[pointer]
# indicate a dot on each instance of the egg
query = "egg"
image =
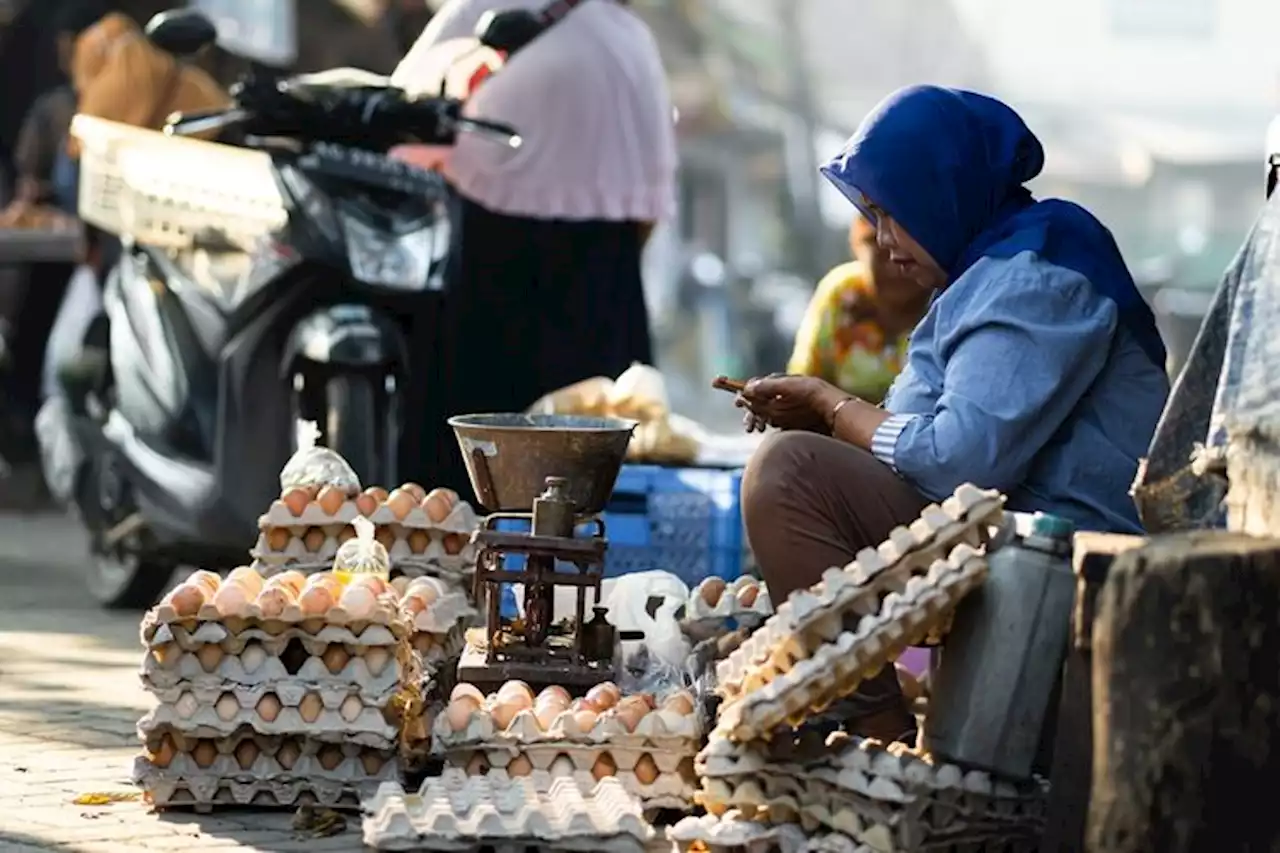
(335, 658)
(288, 754)
(253, 656)
(385, 536)
(359, 601)
(310, 707)
(602, 697)
(379, 494)
(466, 689)
(376, 660)
(585, 720)
(555, 690)
(455, 543)
(517, 688)
(546, 714)
(458, 713)
(186, 599)
(296, 499)
(437, 505)
(478, 765)
(278, 538)
(205, 753)
(630, 716)
(313, 540)
(371, 761)
(330, 500)
(366, 503)
(330, 756)
(268, 707)
(273, 600)
(226, 707)
(248, 576)
(401, 503)
(375, 584)
(232, 599)
(562, 766)
(646, 770)
(209, 656)
(419, 493)
(350, 708)
(165, 753)
(419, 541)
(604, 766)
(316, 600)
(400, 584)
(681, 702)
(412, 604)
(712, 589)
(504, 711)
(748, 594)
(519, 766)
(292, 579)
(346, 534)
(207, 579)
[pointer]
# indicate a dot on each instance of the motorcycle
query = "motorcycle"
(183, 408)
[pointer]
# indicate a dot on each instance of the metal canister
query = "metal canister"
(1002, 660)
(599, 637)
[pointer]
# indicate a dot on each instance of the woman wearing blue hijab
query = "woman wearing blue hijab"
(1037, 370)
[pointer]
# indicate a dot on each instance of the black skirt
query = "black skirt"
(532, 305)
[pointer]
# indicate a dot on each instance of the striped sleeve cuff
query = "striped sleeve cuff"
(885, 439)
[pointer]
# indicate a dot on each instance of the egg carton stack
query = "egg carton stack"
(425, 533)
(889, 798)
(455, 811)
(716, 606)
(276, 691)
(648, 745)
(439, 612)
(823, 642)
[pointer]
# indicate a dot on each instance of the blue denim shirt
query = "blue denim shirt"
(1019, 379)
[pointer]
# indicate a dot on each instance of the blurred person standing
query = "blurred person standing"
(856, 328)
(544, 280)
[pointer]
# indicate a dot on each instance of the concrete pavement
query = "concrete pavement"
(69, 698)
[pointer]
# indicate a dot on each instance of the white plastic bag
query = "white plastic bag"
(652, 602)
(313, 466)
(362, 555)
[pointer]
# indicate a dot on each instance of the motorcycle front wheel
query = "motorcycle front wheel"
(126, 582)
(351, 428)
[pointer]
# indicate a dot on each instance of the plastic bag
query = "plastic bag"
(588, 397)
(362, 555)
(652, 602)
(313, 465)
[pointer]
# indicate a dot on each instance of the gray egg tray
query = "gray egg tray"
(732, 832)
(810, 618)
(838, 665)
(462, 519)
(296, 556)
(254, 668)
(455, 811)
(274, 635)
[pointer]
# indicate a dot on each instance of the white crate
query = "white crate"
(167, 191)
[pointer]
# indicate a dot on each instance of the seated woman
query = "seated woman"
(854, 333)
(1037, 370)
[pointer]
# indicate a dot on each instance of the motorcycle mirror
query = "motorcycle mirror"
(181, 32)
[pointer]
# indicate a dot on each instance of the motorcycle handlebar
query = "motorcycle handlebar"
(203, 121)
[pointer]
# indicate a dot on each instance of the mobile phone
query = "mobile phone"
(724, 383)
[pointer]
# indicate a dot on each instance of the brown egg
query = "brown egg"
(232, 598)
(519, 766)
(516, 688)
(310, 707)
(458, 712)
(681, 702)
(207, 579)
(209, 656)
(367, 504)
(293, 580)
(466, 689)
(371, 761)
(268, 707)
(638, 701)
(296, 499)
(379, 494)
(418, 541)
(412, 604)
(273, 600)
(375, 584)
(346, 534)
(226, 707)
(351, 708)
(247, 753)
(330, 499)
(186, 599)
(278, 538)
(504, 711)
(455, 543)
(205, 753)
(646, 770)
(601, 697)
(712, 589)
(478, 765)
(314, 539)
(316, 600)
(335, 658)
(604, 766)
(385, 536)
(436, 505)
(419, 493)
(557, 692)
(401, 503)
(376, 659)
(585, 720)
(359, 600)
(546, 713)
(288, 754)
(249, 576)
(630, 716)
(747, 595)
(165, 753)
(330, 757)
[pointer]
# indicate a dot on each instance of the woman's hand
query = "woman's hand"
(788, 402)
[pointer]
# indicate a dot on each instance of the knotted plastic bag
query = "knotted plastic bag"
(362, 555)
(315, 466)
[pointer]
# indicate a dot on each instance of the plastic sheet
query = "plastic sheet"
(312, 465)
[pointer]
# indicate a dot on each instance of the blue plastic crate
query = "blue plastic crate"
(687, 521)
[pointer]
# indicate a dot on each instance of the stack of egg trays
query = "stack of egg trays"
(734, 833)
(823, 642)
(457, 812)
(670, 740)
(434, 560)
(269, 711)
(887, 798)
(702, 620)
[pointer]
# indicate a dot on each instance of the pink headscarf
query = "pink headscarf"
(589, 98)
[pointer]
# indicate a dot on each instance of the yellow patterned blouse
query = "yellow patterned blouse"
(840, 340)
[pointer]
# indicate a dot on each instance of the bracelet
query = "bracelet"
(835, 411)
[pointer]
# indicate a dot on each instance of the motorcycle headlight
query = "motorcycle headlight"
(404, 262)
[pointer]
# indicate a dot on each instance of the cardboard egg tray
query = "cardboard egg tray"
(334, 626)
(732, 832)
(274, 636)
(661, 730)
(250, 769)
(845, 658)
(704, 620)
(888, 798)
(809, 618)
(458, 812)
(673, 788)
(424, 555)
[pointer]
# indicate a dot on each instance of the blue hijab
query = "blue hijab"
(950, 165)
